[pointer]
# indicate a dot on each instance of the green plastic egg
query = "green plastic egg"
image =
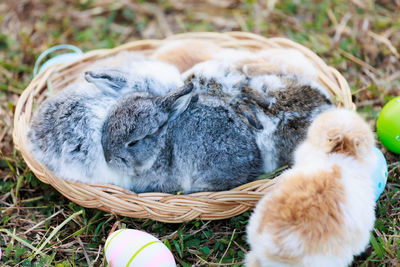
(388, 125)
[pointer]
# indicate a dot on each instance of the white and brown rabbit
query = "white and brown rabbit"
(321, 212)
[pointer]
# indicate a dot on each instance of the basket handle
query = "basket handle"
(51, 50)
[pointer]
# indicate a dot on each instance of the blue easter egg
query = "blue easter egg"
(380, 173)
(64, 58)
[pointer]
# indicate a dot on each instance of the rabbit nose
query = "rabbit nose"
(107, 156)
(89, 76)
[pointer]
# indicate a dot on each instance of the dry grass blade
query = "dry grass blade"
(385, 41)
(229, 245)
(84, 252)
(55, 231)
(42, 222)
(22, 241)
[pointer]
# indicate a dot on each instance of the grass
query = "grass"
(40, 227)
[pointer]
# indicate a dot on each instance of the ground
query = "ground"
(359, 38)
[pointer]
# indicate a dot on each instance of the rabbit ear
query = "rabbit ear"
(177, 101)
(107, 79)
(351, 144)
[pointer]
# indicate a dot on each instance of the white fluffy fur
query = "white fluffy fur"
(98, 171)
(266, 143)
(289, 59)
(357, 209)
(218, 69)
(138, 68)
(270, 81)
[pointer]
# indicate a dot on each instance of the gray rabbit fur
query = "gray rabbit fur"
(65, 133)
(223, 128)
(277, 107)
(180, 141)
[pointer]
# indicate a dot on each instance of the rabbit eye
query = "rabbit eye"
(132, 143)
(105, 76)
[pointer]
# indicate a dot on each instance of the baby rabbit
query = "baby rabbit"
(321, 212)
(184, 54)
(180, 141)
(277, 107)
(65, 133)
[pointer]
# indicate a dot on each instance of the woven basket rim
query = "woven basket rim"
(161, 206)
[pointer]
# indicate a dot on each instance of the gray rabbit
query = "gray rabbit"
(278, 107)
(180, 141)
(65, 133)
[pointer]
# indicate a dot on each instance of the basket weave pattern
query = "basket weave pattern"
(160, 206)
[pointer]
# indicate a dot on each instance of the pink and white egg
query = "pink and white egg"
(128, 247)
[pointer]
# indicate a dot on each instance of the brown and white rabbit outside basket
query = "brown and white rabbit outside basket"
(167, 207)
(322, 210)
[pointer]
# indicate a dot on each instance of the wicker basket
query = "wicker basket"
(160, 206)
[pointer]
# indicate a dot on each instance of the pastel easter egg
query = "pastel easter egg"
(380, 174)
(128, 247)
(64, 58)
(388, 125)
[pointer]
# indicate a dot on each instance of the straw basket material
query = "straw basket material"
(160, 206)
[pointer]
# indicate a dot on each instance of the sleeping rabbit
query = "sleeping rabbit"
(65, 133)
(180, 141)
(278, 107)
(321, 212)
